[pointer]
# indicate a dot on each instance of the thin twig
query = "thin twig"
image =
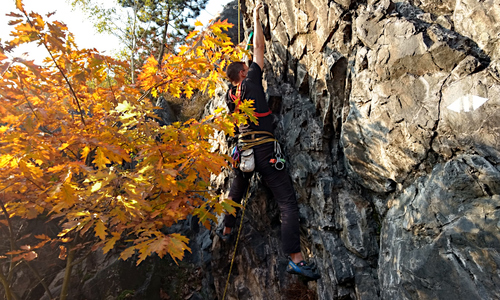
(60, 70)
(37, 275)
(39, 187)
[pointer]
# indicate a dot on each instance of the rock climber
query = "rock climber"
(246, 84)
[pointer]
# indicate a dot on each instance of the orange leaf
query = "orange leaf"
(30, 256)
(62, 254)
(11, 14)
(42, 237)
(19, 5)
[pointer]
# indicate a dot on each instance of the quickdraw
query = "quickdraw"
(278, 162)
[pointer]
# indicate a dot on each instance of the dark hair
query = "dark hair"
(233, 70)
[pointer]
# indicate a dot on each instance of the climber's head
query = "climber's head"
(237, 71)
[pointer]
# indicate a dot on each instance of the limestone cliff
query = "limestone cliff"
(388, 114)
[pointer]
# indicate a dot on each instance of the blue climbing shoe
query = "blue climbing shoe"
(302, 268)
(223, 237)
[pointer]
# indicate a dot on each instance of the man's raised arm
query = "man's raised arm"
(258, 38)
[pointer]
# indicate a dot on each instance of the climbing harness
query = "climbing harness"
(245, 201)
(243, 152)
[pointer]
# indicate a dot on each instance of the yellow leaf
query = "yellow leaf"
(5, 159)
(100, 159)
(19, 5)
(127, 252)
(100, 229)
(64, 146)
(56, 169)
(123, 106)
(68, 194)
(96, 187)
(198, 23)
(188, 90)
(111, 242)
(85, 152)
(177, 245)
(191, 35)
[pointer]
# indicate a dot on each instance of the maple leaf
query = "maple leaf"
(75, 171)
(100, 159)
(191, 35)
(100, 229)
(20, 5)
(177, 245)
(62, 253)
(111, 242)
(128, 252)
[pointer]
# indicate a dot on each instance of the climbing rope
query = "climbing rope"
(245, 144)
(237, 238)
(239, 9)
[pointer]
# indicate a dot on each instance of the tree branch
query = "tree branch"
(73, 93)
(164, 39)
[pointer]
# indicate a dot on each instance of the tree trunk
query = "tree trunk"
(164, 39)
(67, 274)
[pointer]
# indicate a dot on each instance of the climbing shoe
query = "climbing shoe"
(223, 237)
(302, 268)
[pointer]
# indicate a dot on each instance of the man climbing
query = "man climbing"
(246, 85)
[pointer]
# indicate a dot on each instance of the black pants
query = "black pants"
(281, 186)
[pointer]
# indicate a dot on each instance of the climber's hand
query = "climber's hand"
(258, 6)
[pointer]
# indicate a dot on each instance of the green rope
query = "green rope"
(248, 41)
(237, 240)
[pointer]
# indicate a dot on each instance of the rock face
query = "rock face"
(388, 114)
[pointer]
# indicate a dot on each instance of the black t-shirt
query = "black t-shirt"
(252, 89)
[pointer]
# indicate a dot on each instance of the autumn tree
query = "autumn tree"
(145, 27)
(68, 126)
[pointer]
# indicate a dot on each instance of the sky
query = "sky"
(82, 28)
